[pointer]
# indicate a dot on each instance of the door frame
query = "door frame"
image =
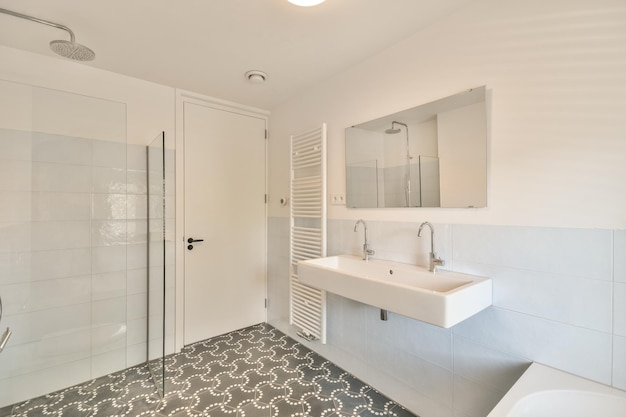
(182, 97)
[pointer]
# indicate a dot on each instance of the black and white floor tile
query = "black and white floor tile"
(254, 372)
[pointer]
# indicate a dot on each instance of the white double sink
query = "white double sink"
(443, 298)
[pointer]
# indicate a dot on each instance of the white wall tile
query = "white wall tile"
(136, 281)
(108, 285)
(108, 206)
(136, 157)
(108, 337)
(575, 252)
(30, 327)
(619, 362)
(16, 205)
(108, 232)
(61, 177)
(108, 180)
(44, 380)
(109, 154)
(108, 259)
(15, 144)
(106, 363)
(431, 343)
(16, 175)
(619, 309)
(58, 206)
(472, 399)
(42, 295)
(487, 366)
(108, 312)
(568, 299)
(574, 349)
(619, 255)
(137, 206)
(52, 235)
(136, 182)
(61, 149)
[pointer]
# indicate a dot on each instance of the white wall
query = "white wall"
(555, 73)
(552, 236)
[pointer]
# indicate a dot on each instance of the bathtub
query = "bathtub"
(546, 392)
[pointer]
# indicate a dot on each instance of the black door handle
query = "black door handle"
(192, 240)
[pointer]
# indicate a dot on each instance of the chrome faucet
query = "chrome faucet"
(434, 261)
(366, 248)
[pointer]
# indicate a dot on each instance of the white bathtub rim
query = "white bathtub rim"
(541, 378)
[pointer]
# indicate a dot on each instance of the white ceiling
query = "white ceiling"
(206, 46)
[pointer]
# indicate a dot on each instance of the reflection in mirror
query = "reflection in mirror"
(433, 155)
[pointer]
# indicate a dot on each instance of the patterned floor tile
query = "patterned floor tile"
(253, 372)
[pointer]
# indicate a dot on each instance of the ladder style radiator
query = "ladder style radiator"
(307, 306)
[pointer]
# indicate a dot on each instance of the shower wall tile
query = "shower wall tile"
(21, 267)
(136, 281)
(16, 206)
(108, 362)
(107, 312)
(137, 255)
(108, 337)
(16, 175)
(108, 259)
(44, 324)
(136, 331)
(61, 149)
(109, 154)
(136, 182)
(15, 145)
(23, 387)
(108, 232)
(60, 235)
(136, 157)
(108, 206)
(61, 177)
(57, 206)
(137, 231)
(108, 285)
(109, 180)
(42, 295)
(137, 206)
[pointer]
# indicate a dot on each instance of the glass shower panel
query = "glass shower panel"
(155, 155)
(65, 229)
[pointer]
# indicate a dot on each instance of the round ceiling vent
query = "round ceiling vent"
(256, 77)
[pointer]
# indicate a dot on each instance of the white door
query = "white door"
(224, 206)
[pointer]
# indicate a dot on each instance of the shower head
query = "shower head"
(68, 49)
(72, 50)
(392, 130)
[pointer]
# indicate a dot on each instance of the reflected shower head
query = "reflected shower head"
(393, 131)
(68, 49)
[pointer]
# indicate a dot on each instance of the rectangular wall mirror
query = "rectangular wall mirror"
(433, 155)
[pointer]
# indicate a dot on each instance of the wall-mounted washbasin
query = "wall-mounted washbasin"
(443, 298)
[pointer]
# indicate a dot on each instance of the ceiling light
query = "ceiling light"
(256, 77)
(306, 3)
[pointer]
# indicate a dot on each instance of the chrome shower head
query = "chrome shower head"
(72, 50)
(393, 131)
(68, 49)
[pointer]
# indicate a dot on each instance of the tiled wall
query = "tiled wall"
(559, 298)
(73, 240)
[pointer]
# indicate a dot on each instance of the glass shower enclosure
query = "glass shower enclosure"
(77, 218)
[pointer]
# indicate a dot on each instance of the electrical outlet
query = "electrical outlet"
(338, 199)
